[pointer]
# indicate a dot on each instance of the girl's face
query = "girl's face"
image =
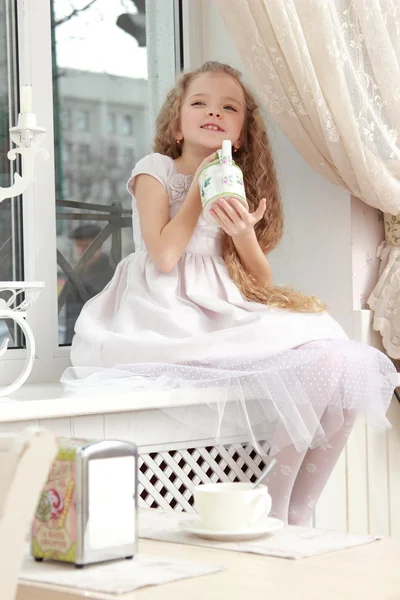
(213, 110)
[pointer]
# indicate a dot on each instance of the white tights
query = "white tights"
(298, 479)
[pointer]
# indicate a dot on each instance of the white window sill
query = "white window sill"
(48, 401)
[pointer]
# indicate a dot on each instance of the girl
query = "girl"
(196, 306)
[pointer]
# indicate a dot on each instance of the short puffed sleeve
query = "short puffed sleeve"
(157, 165)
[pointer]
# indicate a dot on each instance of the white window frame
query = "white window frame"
(39, 209)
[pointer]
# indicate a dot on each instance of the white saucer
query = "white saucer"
(195, 526)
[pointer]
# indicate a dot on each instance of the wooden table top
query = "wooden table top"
(367, 572)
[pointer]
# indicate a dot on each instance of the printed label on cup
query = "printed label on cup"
(221, 178)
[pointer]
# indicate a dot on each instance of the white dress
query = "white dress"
(269, 372)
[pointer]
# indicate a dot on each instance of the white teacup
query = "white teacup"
(231, 506)
(221, 178)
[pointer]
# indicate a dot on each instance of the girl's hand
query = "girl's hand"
(194, 186)
(234, 218)
(203, 164)
(195, 183)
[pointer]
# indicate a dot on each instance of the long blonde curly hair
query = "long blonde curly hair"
(255, 159)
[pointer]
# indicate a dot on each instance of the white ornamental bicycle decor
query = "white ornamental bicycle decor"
(26, 136)
(15, 311)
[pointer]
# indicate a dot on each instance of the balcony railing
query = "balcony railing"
(114, 217)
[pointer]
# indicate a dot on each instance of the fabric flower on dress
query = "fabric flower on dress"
(179, 184)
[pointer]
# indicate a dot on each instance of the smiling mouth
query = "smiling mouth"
(212, 128)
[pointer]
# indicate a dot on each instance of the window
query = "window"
(112, 156)
(67, 152)
(66, 119)
(84, 187)
(129, 157)
(68, 193)
(111, 123)
(83, 154)
(77, 80)
(103, 82)
(127, 125)
(82, 120)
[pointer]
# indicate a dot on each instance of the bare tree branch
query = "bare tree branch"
(75, 11)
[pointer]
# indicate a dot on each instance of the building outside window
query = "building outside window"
(82, 120)
(67, 152)
(111, 123)
(129, 156)
(83, 154)
(127, 125)
(66, 118)
(112, 156)
(68, 188)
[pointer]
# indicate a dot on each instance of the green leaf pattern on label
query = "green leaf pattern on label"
(43, 510)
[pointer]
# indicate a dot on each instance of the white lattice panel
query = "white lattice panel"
(167, 479)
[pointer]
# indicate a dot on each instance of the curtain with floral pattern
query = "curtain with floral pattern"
(328, 72)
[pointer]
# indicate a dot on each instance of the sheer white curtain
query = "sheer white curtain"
(329, 74)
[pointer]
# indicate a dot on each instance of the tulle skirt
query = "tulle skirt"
(299, 396)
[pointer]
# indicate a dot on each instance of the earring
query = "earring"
(235, 150)
(178, 142)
